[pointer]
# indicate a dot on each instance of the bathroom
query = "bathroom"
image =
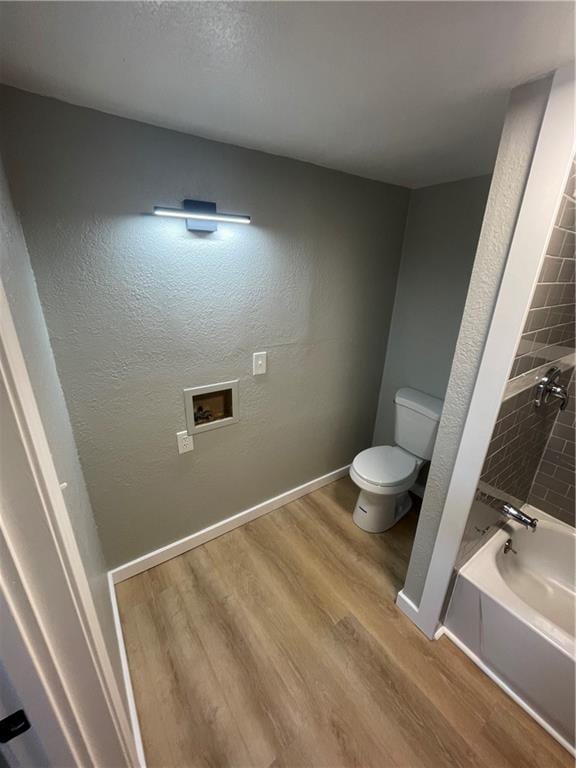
(278, 446)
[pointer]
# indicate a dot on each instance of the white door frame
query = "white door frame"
(111, 735)
(32, 678)
(547, 179)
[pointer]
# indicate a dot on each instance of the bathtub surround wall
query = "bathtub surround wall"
(518, 442)
(518, 141)
(26, 311)
(440, 240)
(513, 468)
(548, 334)
(138, 309)
(531, 453)
(553, 486)
(550, 329)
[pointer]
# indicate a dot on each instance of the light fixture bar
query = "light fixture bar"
(180, 213)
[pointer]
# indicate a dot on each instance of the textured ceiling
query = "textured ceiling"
(412, 93)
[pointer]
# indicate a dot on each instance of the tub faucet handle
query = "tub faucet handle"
(559, 392)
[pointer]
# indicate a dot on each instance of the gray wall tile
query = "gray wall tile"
(531, 454)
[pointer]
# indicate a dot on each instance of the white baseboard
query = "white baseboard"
(506, 688)
(158, 556)
(439, 632)
(407, 607)
(417, 617)
(132, 712)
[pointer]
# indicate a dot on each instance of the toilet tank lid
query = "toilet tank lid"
(420, 402)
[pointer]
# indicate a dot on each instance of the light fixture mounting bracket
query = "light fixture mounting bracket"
(199, 207)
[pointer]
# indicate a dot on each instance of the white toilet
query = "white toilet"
(385, 473)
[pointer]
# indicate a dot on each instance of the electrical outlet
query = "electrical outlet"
(258, 363)
(185, 442)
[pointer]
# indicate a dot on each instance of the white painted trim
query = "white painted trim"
(132, 711)
(191, 392)
(551, 165)
(410, 610)
(13, 593)
(407, 607)
(439, 632)
(506, 688)
(143, 563)
(35, 444)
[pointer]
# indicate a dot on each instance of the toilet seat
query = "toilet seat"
(384, 470)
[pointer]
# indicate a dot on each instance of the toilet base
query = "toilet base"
(376, 513)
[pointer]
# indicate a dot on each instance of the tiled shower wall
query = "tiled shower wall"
(518, 443)
(553, 487)
(548, 334)
(531, 453)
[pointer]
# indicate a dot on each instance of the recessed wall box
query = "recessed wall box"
(215, 405)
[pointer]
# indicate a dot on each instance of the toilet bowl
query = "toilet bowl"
(385, 473)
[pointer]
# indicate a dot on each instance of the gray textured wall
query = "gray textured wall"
(138, 309)
(440, 242)
(517, 144)
(20, 287)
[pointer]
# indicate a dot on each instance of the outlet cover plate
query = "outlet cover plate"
(185, 442)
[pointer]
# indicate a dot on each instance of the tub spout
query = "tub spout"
(521, 517)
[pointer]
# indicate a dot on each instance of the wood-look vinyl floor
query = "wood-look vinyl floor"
(279, 645)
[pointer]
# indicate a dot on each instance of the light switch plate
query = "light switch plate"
(185, 442)
(259, 363)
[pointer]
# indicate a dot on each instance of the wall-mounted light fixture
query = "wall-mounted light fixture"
(200, 215)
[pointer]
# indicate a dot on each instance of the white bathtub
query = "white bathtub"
(514, 615)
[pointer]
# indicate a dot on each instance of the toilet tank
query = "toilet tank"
(416, 423)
